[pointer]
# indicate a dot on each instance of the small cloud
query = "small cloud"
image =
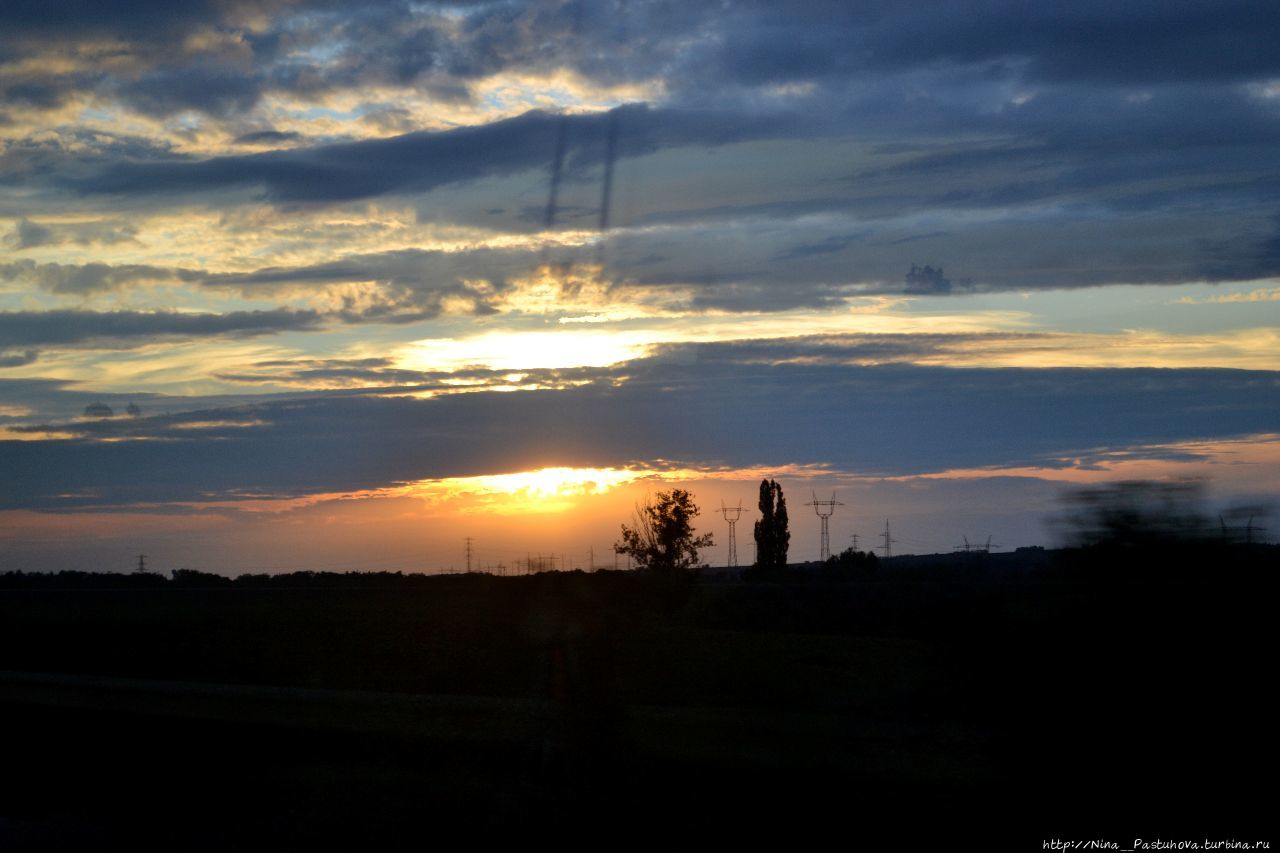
(836, 243)
(99, 410)
(125, 329)
(911, 238)
(391, 120)
(267, 137)
(927, 280)
(18, 359)
(27, 234)
(1259, 295)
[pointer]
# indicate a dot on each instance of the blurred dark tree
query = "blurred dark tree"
(1137, 513)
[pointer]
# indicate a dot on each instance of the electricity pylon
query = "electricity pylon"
(824, 548)
(733, 531)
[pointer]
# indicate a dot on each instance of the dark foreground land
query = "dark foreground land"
(1099, 695)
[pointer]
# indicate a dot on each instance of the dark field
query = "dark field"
(1086, 699)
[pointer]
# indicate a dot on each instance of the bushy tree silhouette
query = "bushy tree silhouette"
(850, 564)
(772, 536)
(661, 535)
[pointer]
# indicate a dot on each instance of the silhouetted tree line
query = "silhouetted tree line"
(850, 564)
(191, 578)
(81, 580)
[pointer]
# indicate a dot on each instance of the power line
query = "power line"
(610, 155)
(557, 169)
(1248, 529)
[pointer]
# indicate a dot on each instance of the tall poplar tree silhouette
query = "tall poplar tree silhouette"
(772, 535)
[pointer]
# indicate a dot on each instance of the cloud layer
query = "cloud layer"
(1010, 146)
(738, 406)
(285, 229)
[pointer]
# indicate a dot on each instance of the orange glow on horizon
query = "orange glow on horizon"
(546, 490)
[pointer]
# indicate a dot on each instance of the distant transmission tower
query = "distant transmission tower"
(733, 531)
(888, 541)
(824, 549)
(853, 537)
(142, 564)
(977, 547)
(1230, 534)
(469, 541)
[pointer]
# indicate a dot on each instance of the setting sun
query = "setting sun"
(524, 350)
(544, 490)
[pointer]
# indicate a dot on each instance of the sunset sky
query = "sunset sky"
(378, 276)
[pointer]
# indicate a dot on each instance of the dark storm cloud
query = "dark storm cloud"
(412, 284)
(383, 375)
(1242, 256)
(834, 350)
(1093, 40)
(701, 405)
(758, 265)
(210, 90)
(334, 373)
(696, 48)
(47, 94)
(835, 243)
(27, 234)
(1142, 136)
(754, 266)
(87, 278)
(33, 18)
(133, 328)
(423, 161)
(403, 266)
(734, 290)
(1057, 246)
(927, 280)
(380, 376)
(32, 166)
(63, 401)
(1145, 41)
(706, 47)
